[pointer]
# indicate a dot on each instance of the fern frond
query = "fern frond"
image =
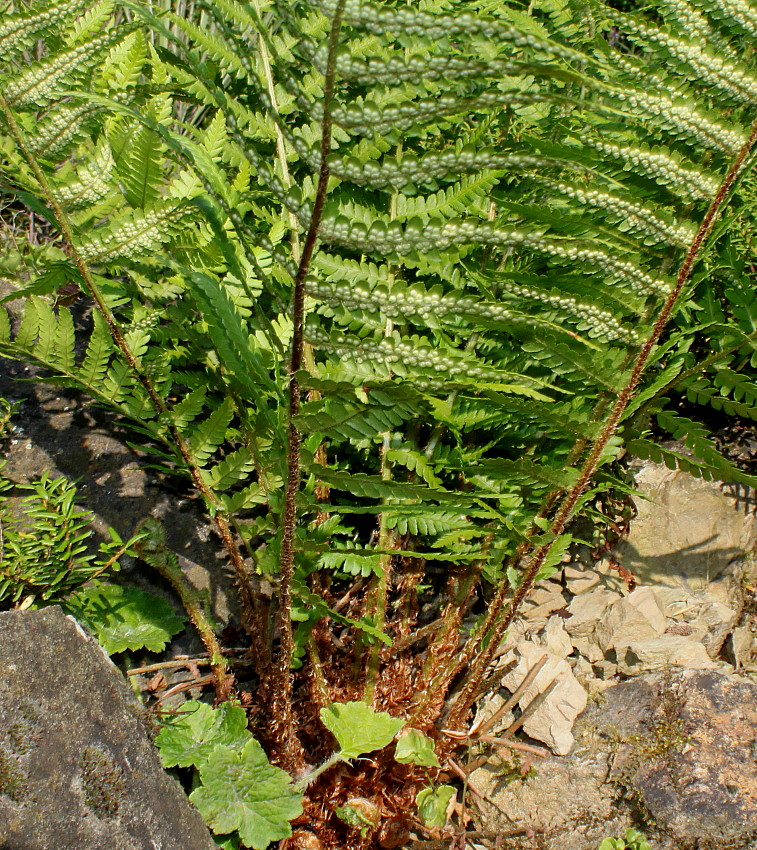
(97, 356)
(231, 470)
(709, 462)
(37, 85)
(134, 233)
(689, 183)
(139, 161)
(90, 22)
(245, 363)
(91, 184)
(18, 32)
(205, 437)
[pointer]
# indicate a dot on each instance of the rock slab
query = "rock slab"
(696, 768)
(686, 531)
(77, 769)
(673, 754)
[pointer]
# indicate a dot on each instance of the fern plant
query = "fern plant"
(44, 553)
(394, 287)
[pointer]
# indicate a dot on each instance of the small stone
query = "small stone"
(663, 652)
(609, 576)
(553, 721)
(586, 610)
(718, 621)
(723, 590)
(588, 648)
(605, 669)
(555, 639)
(674, 601)
(488, 708)
(546, 598)
(743, 646)
(643, 599)
(582, 670)
(624, 623)
(579, 581)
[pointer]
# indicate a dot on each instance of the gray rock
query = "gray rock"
(674, 749)
(695, 772)
(77, 769)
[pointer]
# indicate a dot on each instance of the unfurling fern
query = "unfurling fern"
(393, 284)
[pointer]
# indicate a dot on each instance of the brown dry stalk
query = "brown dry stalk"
(283, 733)
(490, 722)
(495, 624)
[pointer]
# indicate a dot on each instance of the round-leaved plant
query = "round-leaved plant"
(190, 736)
(243, 792)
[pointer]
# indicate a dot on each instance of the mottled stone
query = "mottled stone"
(674, 754)
(77, 769)
(694, 769)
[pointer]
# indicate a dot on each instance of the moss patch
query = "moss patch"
(13, 780)
(103, 782)
(24, 732)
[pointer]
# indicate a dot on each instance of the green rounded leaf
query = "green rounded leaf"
(358, 728)
(416, 748)
(189, 737)
(242, 791)
(432, 804)
(125, 618)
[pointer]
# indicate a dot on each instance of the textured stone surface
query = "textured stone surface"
(644, 656)
(566, 801)
(696, 768)
(686, 532)
(679, 748)
(77, 770)
(624, 622)
(553, 719)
